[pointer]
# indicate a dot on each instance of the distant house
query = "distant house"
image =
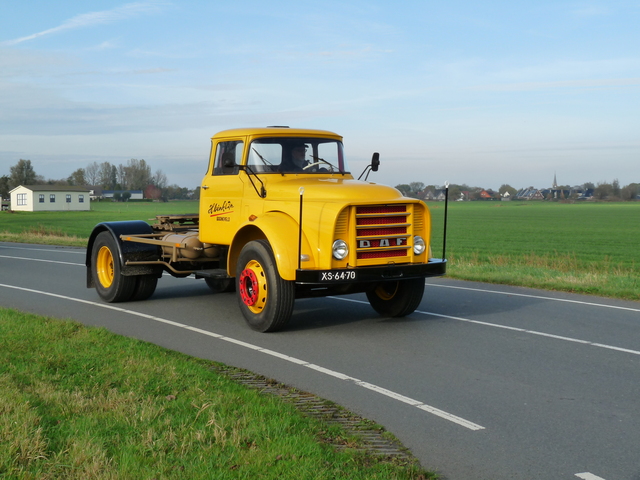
(529, 194)
(39, 198)
(487, 195)
(439, 195)
(135, 194)
(95, 192)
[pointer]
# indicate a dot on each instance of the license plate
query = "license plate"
(338, 276)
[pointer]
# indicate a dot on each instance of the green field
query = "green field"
(80, 224)
(582, 247)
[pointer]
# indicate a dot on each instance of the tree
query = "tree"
(630, 192)
(504, 188)
(404, 189)
(22, 173)
(77, 178)
(615, 188)
(159, 180)
(121, 177)
(416, 188)
(92, 173)
(138, 174)
(107, 176)
(4, 186)
(152, 192)
(602, 191)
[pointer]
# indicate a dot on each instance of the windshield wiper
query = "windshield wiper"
(318, 161)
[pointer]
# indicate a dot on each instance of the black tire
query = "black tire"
(265, 299)
(110, 284)
(221, 285)
(397, 298)
(145, 286)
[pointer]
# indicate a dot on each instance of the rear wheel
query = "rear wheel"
(266, 300)
(110, 284)
(145, 286)
(397, 298)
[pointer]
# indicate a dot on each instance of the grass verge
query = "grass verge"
(562, 272)
(83, 403)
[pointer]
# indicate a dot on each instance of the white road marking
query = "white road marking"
(40, 260)
(383, 391)
(513, 329)
(588, 476)
(55, 250)
(539, 297)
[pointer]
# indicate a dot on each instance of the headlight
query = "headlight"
(340, 249)
(418, 245)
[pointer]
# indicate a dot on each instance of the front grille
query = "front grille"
(370, 255)
(382, 209)
(382, 231)
(381, 220)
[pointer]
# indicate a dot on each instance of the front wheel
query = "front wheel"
(110, 284)
(265, 299)
(396, 298)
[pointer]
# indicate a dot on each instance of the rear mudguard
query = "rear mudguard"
(127, 251)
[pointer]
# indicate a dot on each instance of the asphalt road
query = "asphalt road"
(482, 382)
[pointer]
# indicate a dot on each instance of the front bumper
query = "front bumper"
(379, 273)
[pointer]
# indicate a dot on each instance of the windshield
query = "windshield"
(297, 155)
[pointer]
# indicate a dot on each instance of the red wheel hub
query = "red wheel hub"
(249, 288)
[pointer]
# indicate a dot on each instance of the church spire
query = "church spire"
(555, 183)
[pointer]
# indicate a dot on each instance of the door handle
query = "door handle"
(205, 187)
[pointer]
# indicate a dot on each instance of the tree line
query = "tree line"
(600, 191)
(133, 175)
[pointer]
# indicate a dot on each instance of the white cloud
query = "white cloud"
(95, 18)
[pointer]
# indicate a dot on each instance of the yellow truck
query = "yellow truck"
(281, 217)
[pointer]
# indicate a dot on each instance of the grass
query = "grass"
(583, 247)
(82, 403)
(587, 248)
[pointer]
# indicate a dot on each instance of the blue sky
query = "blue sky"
(482, 93)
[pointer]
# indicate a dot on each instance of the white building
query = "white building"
(40, 198)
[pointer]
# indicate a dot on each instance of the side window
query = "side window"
(41, 198)
(52, 198)
(81, 198)
(68, 198)
(227, 154)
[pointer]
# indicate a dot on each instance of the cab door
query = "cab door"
(222, 192)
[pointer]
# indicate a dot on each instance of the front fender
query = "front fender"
(282, 233)
(126, 250)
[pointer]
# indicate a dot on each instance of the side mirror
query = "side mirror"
(375, 162)
(372, 167)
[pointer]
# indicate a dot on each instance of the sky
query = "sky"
(465, 92)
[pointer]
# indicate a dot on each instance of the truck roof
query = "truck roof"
(276, 132)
